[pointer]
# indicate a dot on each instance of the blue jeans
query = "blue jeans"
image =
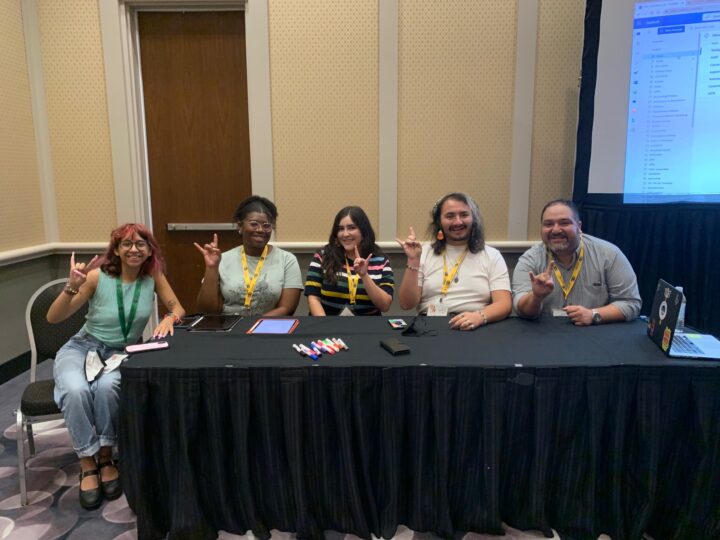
(90, 409)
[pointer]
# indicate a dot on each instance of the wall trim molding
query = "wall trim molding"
(388, 35)
(63, 248)
(125, 104)
(38, 98)
(523, 119)
(51, 248)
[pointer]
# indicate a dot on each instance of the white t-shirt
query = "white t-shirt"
(280, 271)
(478, 275)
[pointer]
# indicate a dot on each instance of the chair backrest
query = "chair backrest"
(45, 338)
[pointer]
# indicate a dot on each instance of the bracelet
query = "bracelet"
(416, 268)
(485, 319)
(176, 319)
(69, 290)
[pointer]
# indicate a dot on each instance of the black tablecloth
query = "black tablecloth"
(536, 423)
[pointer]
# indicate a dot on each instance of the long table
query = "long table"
(538, 424)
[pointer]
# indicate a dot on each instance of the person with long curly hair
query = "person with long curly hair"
(456, 274)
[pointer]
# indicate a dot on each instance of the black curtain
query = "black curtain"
(678, 242)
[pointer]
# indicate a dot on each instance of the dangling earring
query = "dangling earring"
(440, 235)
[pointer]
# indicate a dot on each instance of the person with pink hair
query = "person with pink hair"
(120, 288)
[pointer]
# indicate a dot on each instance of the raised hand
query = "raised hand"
(211, 252)
(412, 248)
(543, 284)
(79, 271)
(360, 265)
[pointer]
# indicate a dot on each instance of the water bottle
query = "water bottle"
(680, 326)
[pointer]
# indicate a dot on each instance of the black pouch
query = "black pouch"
(394, 346)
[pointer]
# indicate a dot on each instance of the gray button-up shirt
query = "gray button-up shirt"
(606, 278)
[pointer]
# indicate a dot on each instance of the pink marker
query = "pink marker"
(320, 343)
(308, 352)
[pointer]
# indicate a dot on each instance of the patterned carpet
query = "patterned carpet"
(54, 513)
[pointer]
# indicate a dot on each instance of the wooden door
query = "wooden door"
(194, 80)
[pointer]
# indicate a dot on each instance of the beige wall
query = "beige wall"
(324, 91)
(456, 65)
(559, 54)
(21, 215)
(456, 78)
(77, 118)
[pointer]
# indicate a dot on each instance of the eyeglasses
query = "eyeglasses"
(256, 225)
(140, 245)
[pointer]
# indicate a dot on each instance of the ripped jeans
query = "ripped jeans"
(90, 409)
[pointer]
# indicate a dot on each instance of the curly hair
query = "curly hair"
(476, 241)
(334, 254)
(255, 203)
(111, 264)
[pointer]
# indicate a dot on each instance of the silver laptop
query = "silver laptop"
(662, 328)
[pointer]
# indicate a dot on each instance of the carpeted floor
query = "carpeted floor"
(54, 512)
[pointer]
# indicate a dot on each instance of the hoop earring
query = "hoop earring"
(440, 235)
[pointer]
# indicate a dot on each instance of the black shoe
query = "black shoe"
(90, 499)
(112, 489)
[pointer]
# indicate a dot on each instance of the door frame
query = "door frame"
(123, 82)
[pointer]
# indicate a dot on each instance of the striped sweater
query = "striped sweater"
(335, 296)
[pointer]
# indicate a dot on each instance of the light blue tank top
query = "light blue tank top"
(103, 321)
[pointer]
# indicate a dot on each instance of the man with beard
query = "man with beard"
(574, 275)
(457, 274)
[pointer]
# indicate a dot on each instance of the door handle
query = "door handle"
(200, 226)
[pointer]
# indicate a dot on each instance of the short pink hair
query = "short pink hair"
(111, 261)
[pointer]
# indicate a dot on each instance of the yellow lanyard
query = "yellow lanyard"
(353, 280)
(448, 277)
(250, 284)
(566, 288)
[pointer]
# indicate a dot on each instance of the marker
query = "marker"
(320, 343)
(324, 348)
(330, 344)
(298, 349)
(343, 344)
(339, 343)
(308, 352)
(316, 349)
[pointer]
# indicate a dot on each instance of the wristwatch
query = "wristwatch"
(596, 317)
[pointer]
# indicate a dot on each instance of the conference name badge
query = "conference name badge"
(435, 310)
(559, 312)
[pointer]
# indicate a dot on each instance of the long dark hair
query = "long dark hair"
(111, 264)
(334, 254)
(476, 241)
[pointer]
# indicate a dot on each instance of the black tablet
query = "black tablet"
(215, 323)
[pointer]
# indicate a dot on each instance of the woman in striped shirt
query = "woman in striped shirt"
(350, 275)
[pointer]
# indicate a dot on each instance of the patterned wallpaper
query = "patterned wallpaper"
(324, 92)
(456, 88)
(455, 97)
(77, 118)
(559, 54)
(20, 204)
